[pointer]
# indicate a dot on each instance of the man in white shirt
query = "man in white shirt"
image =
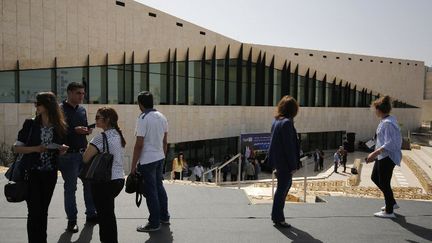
(149, 153)
(198, 171)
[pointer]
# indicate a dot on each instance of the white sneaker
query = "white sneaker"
(382, 214)
(394, 207)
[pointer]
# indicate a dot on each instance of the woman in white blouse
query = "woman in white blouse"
(104, 193)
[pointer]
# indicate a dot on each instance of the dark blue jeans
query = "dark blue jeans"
(156, 197)
(284, 181)
(69, 165)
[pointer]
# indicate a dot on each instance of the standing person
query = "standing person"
(47, 128)
(284, 154)
(344, 155)
(336, 160)
(257, 169)
(150, 151)
(211, 160)
(198, 171)
(321, 160)
(71, 163)
(250, 170)
(226, 169)
(234, 170)
(104, 193)
(178, 165)
(316, 159)
(387, 154)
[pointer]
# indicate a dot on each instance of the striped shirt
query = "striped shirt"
(115, 148)
(389, 138)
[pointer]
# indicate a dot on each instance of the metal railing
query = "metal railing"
(218, 170)
(207, 172)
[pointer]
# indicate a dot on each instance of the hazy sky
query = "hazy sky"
(388, 28)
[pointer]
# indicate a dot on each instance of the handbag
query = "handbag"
(16, 191)
(17, 188)
(100, 168)
(135, 184)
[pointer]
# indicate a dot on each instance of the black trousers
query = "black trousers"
(381, 175)
(177, 176)
(41, 188)
(103, 197)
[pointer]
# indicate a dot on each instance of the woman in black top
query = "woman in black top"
(39, 141)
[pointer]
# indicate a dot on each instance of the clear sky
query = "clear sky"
(388, 28)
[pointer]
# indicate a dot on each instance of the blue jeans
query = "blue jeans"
(156, 197)
(284, 181)
(69, 165)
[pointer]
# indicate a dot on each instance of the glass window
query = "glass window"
(194, 83)
(7, 87)
(98, 85)
(116, 86)
(232, 82)
(181, 83)
(266, 85)
(244, 85)
(220, 82)
(140, 79)
(253, 83)
(208, 87)
(32, 82)
(293, 85)
(301, 90)
(158, 82)
(329, 94)
(277, 88)
(358, 98)
(311, 92)
(68, 75)
(128, 84)
(319, 96)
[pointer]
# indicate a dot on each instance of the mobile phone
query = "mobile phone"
(92, 125)
(53, 147)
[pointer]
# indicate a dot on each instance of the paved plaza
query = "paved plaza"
(212, 214)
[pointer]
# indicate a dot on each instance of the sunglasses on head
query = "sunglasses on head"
(37, 103)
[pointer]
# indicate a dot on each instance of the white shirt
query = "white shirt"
(115, 148)
(153, 128)
(198, 171)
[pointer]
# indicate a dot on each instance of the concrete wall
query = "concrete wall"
(189, 123)
(35, 32)
(401, 79)
(427, 102)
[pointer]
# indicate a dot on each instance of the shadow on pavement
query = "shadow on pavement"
(420, 231)
(297, 235)
(163, 235)
(85, 236)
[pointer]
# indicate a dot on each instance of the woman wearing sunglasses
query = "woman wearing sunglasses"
(40, 141)
(104, 193)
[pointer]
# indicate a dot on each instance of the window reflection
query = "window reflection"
(140, 79)
(7, 87)
(34, 81)
(68, 75)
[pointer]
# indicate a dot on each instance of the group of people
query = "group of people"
(318, 157)
(250, 169)
(284, 155)
(340, 159)
(55, 139)
(66, 126)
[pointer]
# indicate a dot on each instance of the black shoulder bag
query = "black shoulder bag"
(17, 188)
(100, 168)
